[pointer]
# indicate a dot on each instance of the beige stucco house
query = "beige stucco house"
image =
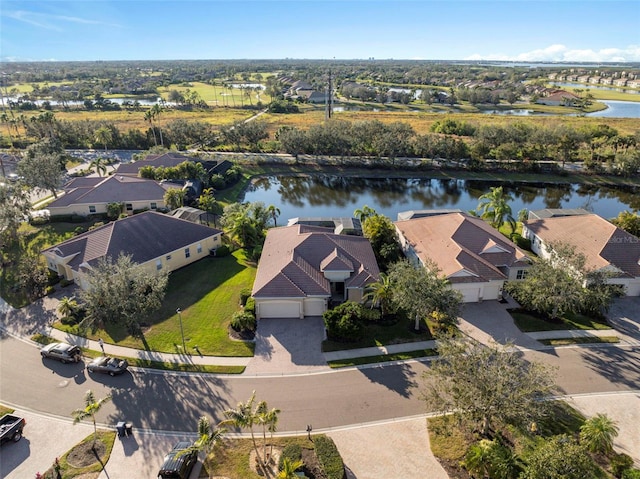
(302, 268)
(605, 246)
(153, 240)
(473, 256)
(91, 195)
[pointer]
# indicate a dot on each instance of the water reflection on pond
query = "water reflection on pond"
(332, 195)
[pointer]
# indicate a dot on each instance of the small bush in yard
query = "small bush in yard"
(631, 474)
(329, 457)
(245, 294)
(620, 463)
(250, 306)
(293, 452)
(243, 321)
(345, 323)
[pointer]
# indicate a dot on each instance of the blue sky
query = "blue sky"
(518, 30)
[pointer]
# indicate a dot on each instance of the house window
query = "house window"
(154, 206)
(129, 206)
(187, 253)
(521, 274)
(199, 248)
(92, 209)
(168, 257)
(158, 264)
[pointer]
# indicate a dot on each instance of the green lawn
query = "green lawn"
(588, 340)
(344, 363)
(208, 293)
(527, 322)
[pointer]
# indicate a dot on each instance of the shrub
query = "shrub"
(69, 320)
(222, 251)
(631, 474)
(65, 282)
(329, 457)
(39, 220)
(620, 463)
(49, 290)
(293, 452)
(345, 322)
(243, 321)
(250, 306)
(245, 294)
(78, 230)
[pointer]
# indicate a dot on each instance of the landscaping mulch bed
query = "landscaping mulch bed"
(83, 455)
(244, 335)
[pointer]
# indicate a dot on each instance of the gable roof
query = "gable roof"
(602, 243)
(107, 190)
(295, 257)
(464, 247)
(144, 237)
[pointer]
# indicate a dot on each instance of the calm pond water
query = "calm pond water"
(329, 195)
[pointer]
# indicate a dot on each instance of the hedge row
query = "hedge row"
(329, 457)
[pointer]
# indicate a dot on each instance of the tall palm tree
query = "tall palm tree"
(268, 419)
(148, 116)
(274, 211)
(244, 416)
(91, 408)
(67, 306)
(208, 437)
(598, 433)
(103, 135)
(494, 207)
(174, 198)
(100, 166)
(157, 110)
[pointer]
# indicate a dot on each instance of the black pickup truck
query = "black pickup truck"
(11, 428)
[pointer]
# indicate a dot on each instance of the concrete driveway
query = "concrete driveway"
(624, 316)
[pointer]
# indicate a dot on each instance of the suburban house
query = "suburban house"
(605, 246)
(559, 98)
(172, 159)
(473, 256)
(303, 268)
(154, 240)
(90, 195)
(344, 226)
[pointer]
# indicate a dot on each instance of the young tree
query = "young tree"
(67, 306)
(122, 293)
(382, 235)
(32, 276)
(91, 407)
(420, 290)
(380, 293)
(628, 221)
(43, 171)
(483, 385)
(598, 432)
(14, 209)
(274, 212)
(289, 468)
(99, 165)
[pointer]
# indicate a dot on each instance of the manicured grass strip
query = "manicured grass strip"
(5, 410)
(587, 340)
(344, 363)
(162, 365)
(528, 323)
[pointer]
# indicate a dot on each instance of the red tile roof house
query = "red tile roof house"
(85, 196)
(474, 257)
(153, 240)
(605, 246)
(303, 267)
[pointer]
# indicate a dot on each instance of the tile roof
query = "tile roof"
(110, 189)
(294, 258)
(464, 247)
(602, 243)
(144, 236)
(171, 159)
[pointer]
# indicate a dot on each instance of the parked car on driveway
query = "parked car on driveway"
(11, 428)
(179, 462)
(107, 365)
(63, 352)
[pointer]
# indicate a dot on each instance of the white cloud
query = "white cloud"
(561, 53)
(50, 22)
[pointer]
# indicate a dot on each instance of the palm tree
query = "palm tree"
(244, 416)
(380, 293)
(103, 135)
(274, 211)
(478, 458)
(363, 213)
(99, 164)
(598, 433)
(289, 468)
(91, 408)
(268, 419)
(149, 116)
(174, 198)
(495, 208)
(207, 437)
(67, 306)
(156, 111)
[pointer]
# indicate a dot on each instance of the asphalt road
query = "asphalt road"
(175, 401)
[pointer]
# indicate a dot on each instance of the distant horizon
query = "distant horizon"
(568, 31)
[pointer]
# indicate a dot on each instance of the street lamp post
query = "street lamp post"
(184, 347)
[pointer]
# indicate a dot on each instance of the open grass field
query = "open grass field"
(220, 94)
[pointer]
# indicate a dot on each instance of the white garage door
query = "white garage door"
(491, 291)
(314, 307)
(633, 289)
(469, 294)
(278, 309)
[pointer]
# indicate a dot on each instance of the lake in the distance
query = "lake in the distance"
(330, 195)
